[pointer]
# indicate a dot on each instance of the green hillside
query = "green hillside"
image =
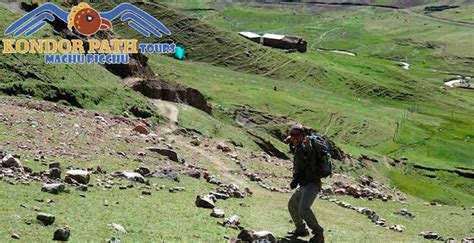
(399, 125)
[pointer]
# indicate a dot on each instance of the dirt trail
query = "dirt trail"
(219, 164)
(170, 111)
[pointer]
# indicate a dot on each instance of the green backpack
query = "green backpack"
(324, 164)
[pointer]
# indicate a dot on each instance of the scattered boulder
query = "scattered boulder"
(114, 240)
(62, 234)
(166, 174)
(467, 240)
(176, 189)
(54, 188)
(172, 155)
(46, 219)
(222, 196)
(233, 222)
(327, 190)
(217, 213)
(119, 228)
(54, 173)
(429, 235)
(81, 176)
(405, 213)
(224, 147)
(144, 171)
(142, 129)
(193, 173)
(396, 227)
(133, 176)
(364, 180)
(10, 161)
(82, 188)
(206, 201)
(252, 236)
(254, 177)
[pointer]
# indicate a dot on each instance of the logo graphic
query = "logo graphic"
(88, 21)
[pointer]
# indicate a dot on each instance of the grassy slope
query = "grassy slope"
(173, 216)
(85, 86)
(210, 44)
(358, 89)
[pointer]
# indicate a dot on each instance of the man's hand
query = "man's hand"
(287, 140)
(294, 184)
(306, 140)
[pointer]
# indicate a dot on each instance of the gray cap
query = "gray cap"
(297, 128)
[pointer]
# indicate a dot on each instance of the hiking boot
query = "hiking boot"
(299, 233)
(317, 239)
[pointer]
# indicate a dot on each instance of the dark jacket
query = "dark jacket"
(304, 165)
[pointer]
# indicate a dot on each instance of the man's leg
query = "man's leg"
(308, 195)
(294, 208)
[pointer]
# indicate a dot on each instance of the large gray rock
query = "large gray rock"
(62, 234)
(46, 219)
(81, 176)
(54, 188)
(206, 201)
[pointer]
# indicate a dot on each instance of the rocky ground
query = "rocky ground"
(66, 151)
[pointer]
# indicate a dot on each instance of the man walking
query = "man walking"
(304, 175)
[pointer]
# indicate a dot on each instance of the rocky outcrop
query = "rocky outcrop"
(171, 91)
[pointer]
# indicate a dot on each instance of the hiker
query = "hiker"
(304, 175)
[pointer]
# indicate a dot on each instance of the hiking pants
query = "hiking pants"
(300, 208)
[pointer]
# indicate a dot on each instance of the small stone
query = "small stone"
(10, 161)
(234, 220)
(141, 129)
(217, 213)
(172, 155)
(134, 176)
(54, 173)
(81, 176)
(253, 236)
(114, 240)
(147, 193)
(205, 201)
(429, 235)
(54, 188)
(46, 219)
(397, 228)
(193, 173)
(16, 236)
(224, 147)
(176, 189)
(144, 171)
(106, 203)
(62, 234)
(82, 188)
(119, 228)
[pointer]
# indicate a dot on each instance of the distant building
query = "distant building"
(251, 36)
(285, 42)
